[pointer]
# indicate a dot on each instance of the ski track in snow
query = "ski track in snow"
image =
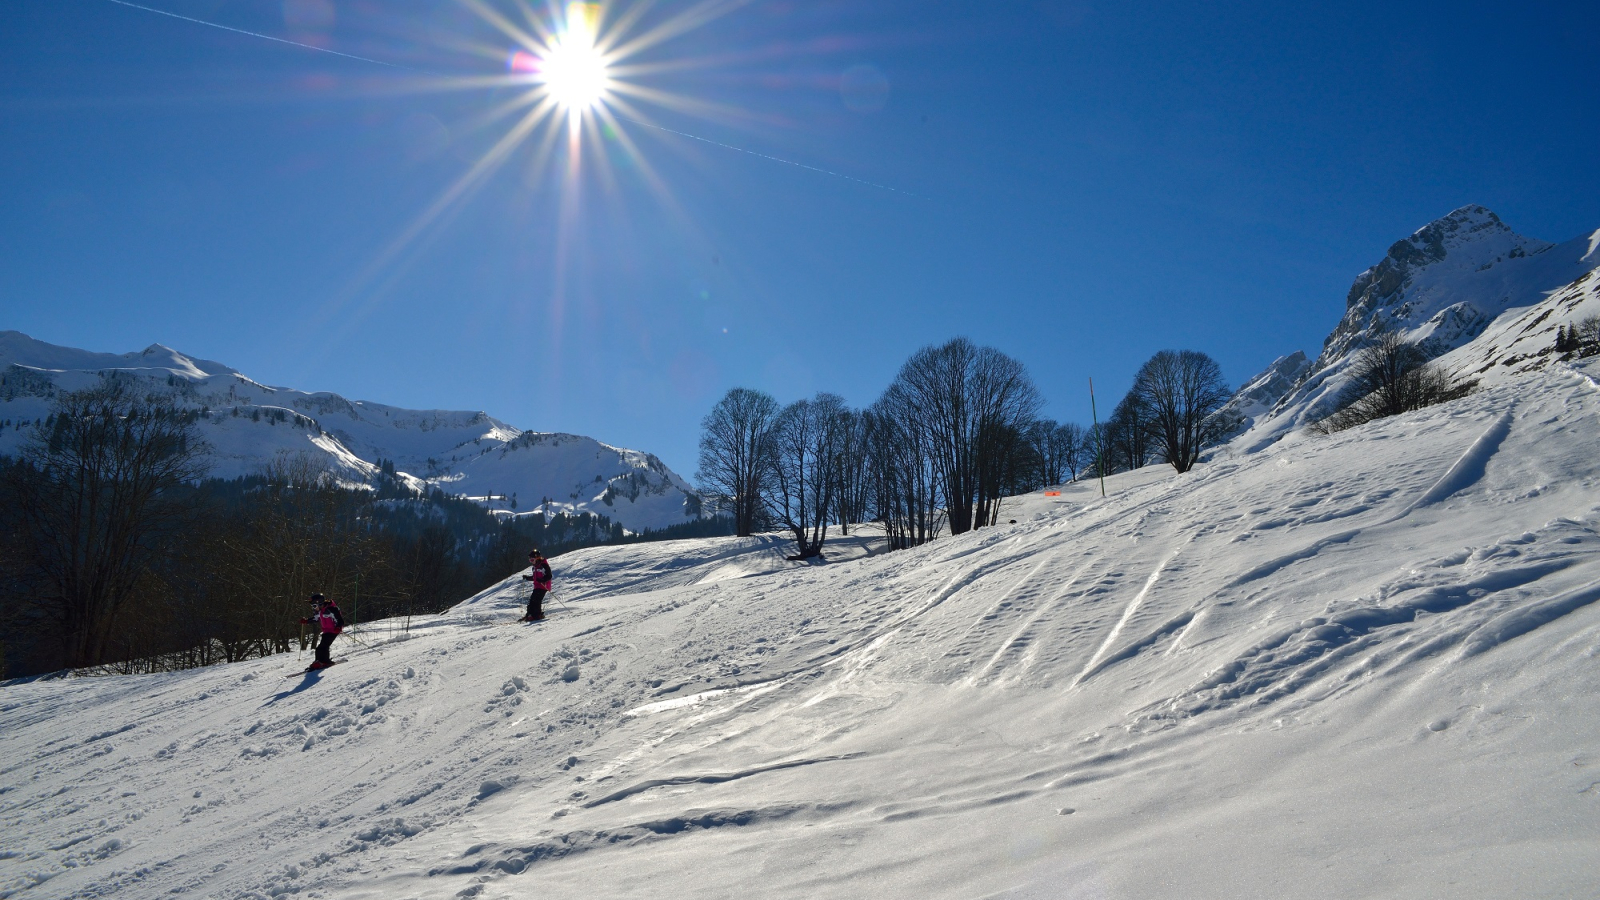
(1211, 680)
(1470, 467)
(1133, 606)
(1020, 642)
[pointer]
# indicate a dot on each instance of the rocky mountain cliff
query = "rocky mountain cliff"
(1442, 287)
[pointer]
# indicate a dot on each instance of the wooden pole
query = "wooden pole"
(1099, 441)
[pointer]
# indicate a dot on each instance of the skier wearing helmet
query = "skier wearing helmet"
(541, 578)
(326, 616)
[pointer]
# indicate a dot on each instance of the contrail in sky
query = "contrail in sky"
(259, 35)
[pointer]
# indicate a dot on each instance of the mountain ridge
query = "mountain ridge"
(1441, 287)
(248, 423)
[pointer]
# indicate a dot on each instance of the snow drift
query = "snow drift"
(1362, 665)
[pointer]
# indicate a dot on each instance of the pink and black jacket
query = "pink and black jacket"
(327, 618)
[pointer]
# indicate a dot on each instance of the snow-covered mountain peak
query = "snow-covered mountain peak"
(1468, 229)
(19, 349)
(1441, 287)
(1418, 278)
(1446, 282)
(1257, 397)
(469, 453)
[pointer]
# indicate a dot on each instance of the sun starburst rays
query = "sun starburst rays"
(574, 73)
(582, 61)
(571, 64)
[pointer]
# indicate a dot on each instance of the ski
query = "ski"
(309, 671)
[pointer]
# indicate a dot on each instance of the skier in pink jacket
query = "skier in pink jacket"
(326, 616)
(541, 578)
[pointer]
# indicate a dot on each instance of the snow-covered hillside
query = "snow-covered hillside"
(1443, 286)
(466, 453)
(1524, 340)
(1357, 666)
(1257, 397)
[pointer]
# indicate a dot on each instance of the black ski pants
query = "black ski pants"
(324, 655)
(536, 603)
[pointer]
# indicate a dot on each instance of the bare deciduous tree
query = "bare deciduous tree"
(1006, 467)
(1127, 434)
(1056, 451)
(1071, 444)
(302, 536)
(905, 484)
(1098, 450)
(1033, 456)
(805, 459)
(971, 402)
(735, 453)
(1387, 378)
(1181, 392)
(107, 472)
(853, 493)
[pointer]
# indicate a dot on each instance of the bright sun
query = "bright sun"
(572, 68)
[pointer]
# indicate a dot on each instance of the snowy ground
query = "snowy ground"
(1358, 666)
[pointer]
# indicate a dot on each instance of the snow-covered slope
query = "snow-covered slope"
(1257, 397)
(1443, 286)
(466, 453)
(1524, 340)
(1358, 666)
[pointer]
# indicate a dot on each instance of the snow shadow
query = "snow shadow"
(310, 679)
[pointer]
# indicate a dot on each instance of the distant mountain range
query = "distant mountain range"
(1483, 299)
(248, 423)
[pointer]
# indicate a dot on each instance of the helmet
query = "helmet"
(316, 598)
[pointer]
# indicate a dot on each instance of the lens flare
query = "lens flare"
(588, 63)
(571, 67)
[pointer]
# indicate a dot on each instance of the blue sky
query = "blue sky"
(1077, 184)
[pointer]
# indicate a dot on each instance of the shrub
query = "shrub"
(1390, 377)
